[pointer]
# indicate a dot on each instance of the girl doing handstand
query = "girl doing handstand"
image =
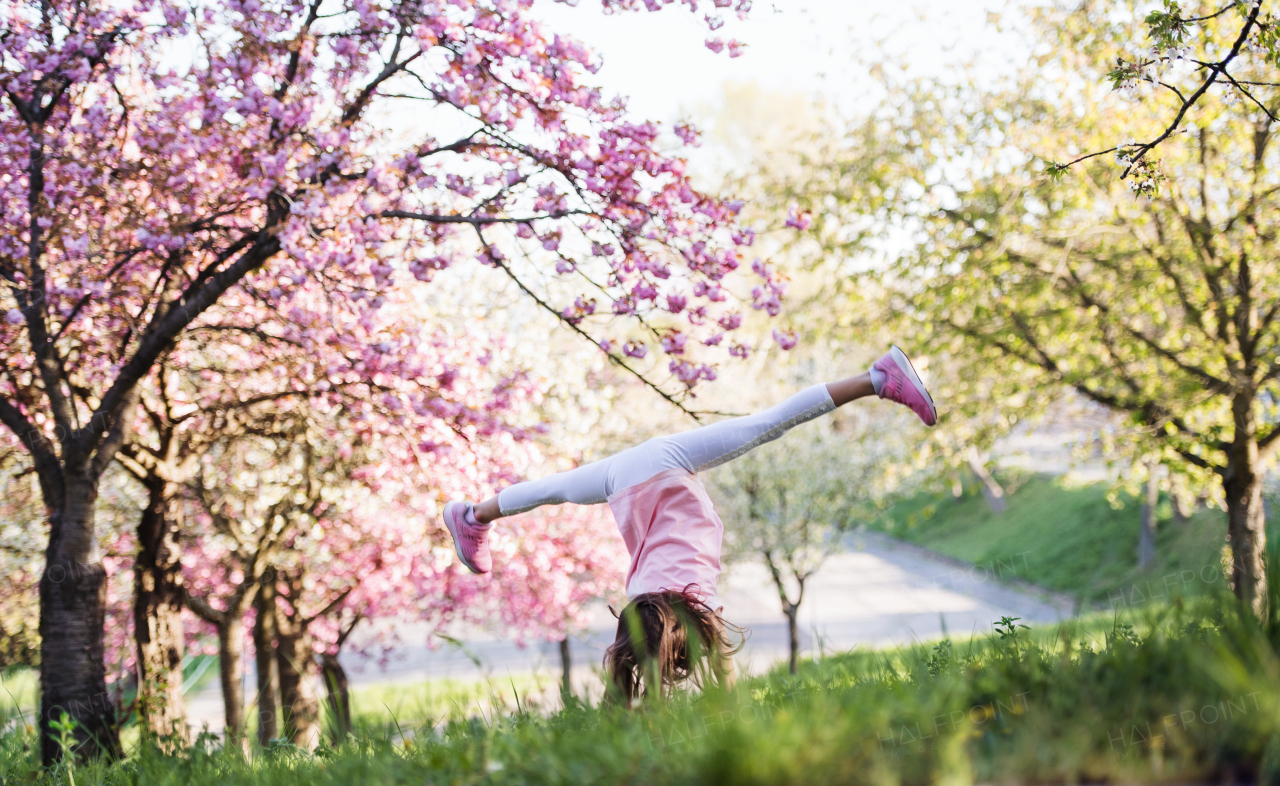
(671, 629)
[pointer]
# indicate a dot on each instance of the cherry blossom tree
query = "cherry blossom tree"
(243, 373)
(328, 541)
(158, 156)
(320, 517)
(198, 427)
(293, 489)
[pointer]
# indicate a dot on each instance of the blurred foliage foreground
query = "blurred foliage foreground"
(1183, 693)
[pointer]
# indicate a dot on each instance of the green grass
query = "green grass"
(19, 688)
(1152, 692)
(390, 710)
(1069, 539)
(1175, 693)
(199, 672)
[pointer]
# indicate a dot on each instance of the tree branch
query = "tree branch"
(43, 454)
(1209, 380)
(697, 416)
(160, 334)
(1194, 97)
(478, 221)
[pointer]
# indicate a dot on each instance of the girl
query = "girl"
(671, 629)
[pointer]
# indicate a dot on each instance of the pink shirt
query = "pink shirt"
(672, 533)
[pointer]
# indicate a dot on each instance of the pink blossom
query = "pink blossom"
(785, 340)
(673, 343)
(730, 321)
(643, 290)
(799, 219)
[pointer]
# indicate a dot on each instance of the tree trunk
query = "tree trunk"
(157, 618)
(566, 671)
(790, 609)
(296, 662)
(73, 594)
(1182, 511)
(1246, 524)
(338, 695)
(793, 611)
(992, 492)
(1147, 535)
(230, 664)
(264, 646)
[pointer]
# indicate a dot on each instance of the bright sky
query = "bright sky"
(804, 46)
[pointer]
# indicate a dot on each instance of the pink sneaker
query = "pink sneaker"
(470, 537)
(902, 384)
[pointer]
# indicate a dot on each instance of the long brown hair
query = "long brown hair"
(667, 638)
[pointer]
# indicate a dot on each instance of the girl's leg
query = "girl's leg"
(711, 446)
(696, 450)
(585, 485)
(850, 389)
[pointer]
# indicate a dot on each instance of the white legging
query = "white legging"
(696, 450)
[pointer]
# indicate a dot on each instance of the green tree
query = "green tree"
(789, 503)
(797, 168)
(1188, 54)
(1163, 308)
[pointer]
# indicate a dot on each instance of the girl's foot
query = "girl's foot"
(900, 382)
(470, 537)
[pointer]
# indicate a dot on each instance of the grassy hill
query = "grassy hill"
(1189, 696)
(1070, 539)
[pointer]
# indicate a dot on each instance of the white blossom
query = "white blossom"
(1124, 151)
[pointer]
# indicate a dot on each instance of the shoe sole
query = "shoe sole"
(448, 522)
(904, 363)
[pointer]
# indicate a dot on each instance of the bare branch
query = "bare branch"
(697, 416)
(160, 334)
(478, 221)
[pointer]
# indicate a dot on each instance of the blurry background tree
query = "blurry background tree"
(790, 159)
(1026, 281)
(550, 565)
(790, 502)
